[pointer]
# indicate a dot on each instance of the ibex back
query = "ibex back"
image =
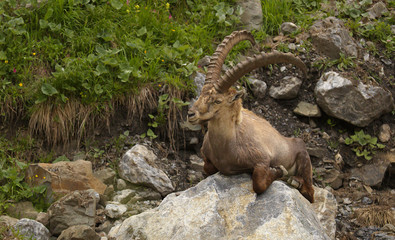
(237, 140)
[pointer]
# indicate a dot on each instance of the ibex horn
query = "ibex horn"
(218, 58)
(263, 59)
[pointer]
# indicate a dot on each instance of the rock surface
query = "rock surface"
(138, 167)
(32, 229)
(356, 103)
(251, 17)
(330, 37)
(258, 88)
(221, 207)
(307, 109)
(22, 209)
(288, 88)
(76, 208)
(64, 177)
(79, 232)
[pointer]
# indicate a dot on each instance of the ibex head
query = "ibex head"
(216, 95)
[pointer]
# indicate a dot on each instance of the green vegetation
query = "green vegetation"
(13, 187)
(363, 144)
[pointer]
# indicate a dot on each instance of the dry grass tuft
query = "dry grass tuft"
(61, 123)
(375, 216)
(139, 104)
(11, 109)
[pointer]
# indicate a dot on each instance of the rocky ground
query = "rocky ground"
(364, 189)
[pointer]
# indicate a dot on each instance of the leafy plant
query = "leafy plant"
(364, 145)
(12, 175)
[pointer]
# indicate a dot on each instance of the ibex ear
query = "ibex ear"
(238, 94)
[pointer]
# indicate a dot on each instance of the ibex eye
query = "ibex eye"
(217, 101)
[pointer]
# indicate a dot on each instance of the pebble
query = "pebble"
(366, 200)
(347, 201)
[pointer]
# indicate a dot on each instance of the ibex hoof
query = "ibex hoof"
(285, 172)
(294, 183)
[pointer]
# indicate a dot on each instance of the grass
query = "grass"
(80, 58)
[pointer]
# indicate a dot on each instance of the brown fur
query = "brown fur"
(237, 140)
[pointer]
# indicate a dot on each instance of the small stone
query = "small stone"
(347, 201)
(288, 27)
(196, 163)
(377, 10)
(307, 109)
(43, 218)
(204, 62)
(385, 133)
(121, 184)
(106, 175)
(366, 200)
(292, 46)
(258, 87)
(194, 141)
(283, 68)
(115, 210)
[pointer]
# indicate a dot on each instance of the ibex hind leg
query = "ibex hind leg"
(208, 167)
(263, 176)
(303, 179)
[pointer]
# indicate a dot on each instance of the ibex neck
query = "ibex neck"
(224, 126)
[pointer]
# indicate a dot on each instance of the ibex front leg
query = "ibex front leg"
(263, 176)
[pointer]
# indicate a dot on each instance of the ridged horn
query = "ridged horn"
(218, 58)
(246, 66)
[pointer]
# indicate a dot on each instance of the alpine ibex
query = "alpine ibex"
(237, 140)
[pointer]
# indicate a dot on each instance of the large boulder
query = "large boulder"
(330, 37)
(64, 177)
(351, 101)
(138, 167)
(222, 207)
(32, 229)
(76, 208)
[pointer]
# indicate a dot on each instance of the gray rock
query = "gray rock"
(138, 167)
(288, 27)
(121, 184)
(307, 109)
(43, 218)
(115, 210)
(204, 62)
(198, 79)
(32, 229)
(124, 196)
(251, 17)
(222, 207)
(23, 209)
(356, 103)
(325, 206)
(8, 221)
(76, 208)
(377, 10)
(331, 177)
(288, 88)
(106, 175)
(373, 174)
(258, 88)
(79, 232)
(385, 133)
(196, 163)
(330, 37)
